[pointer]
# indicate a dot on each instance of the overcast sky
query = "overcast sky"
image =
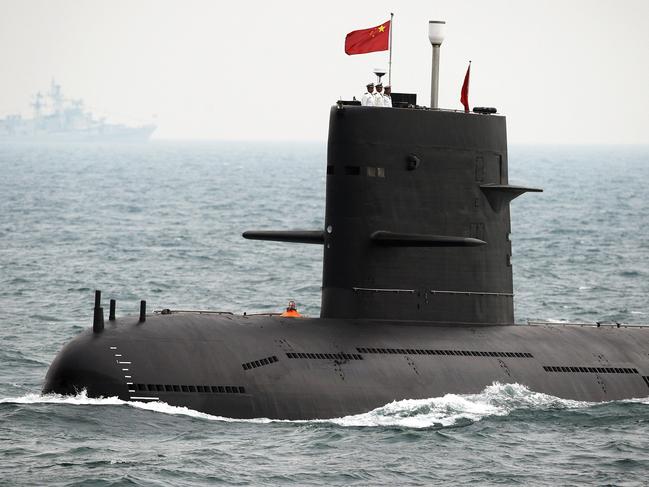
(561, 71)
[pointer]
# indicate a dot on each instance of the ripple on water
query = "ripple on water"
(163, 221)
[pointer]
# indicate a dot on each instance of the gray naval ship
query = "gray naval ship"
(417, 295)
(60, 119)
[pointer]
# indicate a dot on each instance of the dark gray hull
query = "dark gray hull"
(417, 296)
(274, 367)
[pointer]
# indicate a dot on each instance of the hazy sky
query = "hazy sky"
(561, 71)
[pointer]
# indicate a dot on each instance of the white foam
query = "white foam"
(82, 399)
(78, 400)
(637, 400)
(495, 400)
(162, 407)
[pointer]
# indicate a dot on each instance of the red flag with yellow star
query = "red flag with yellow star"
(368, 40)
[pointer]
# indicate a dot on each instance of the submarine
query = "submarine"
(417, 293)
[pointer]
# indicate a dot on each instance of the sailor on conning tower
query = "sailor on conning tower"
(368, 98)
(378, 96)
(387, 97)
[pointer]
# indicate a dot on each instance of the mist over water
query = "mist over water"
(162, 222)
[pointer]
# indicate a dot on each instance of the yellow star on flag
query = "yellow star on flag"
(381, 28)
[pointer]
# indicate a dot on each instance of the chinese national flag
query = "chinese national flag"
(368, 40)
(464, 95)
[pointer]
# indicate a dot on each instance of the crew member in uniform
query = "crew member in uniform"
(387, 97)
(367, 99)
(378, 96)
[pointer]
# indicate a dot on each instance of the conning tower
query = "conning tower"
(417, 220)
(417, 223)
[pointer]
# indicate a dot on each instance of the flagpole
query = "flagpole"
(390, 59)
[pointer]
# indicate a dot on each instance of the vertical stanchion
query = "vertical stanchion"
(142, 311)
(98, 314)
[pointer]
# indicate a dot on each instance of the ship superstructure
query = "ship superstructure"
(58, 118)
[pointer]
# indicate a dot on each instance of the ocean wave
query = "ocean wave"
(495, 400)
(448, 410)
(78, 400)
(82, 399)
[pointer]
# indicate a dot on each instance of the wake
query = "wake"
(495, 400)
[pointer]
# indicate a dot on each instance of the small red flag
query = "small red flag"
(368, 40)
(464, 97)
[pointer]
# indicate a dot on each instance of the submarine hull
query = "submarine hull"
(274, 367)
(417, 296)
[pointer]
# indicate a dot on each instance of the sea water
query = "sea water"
(163, 222)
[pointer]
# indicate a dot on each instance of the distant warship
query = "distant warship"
(417, 294)
(56, 118)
